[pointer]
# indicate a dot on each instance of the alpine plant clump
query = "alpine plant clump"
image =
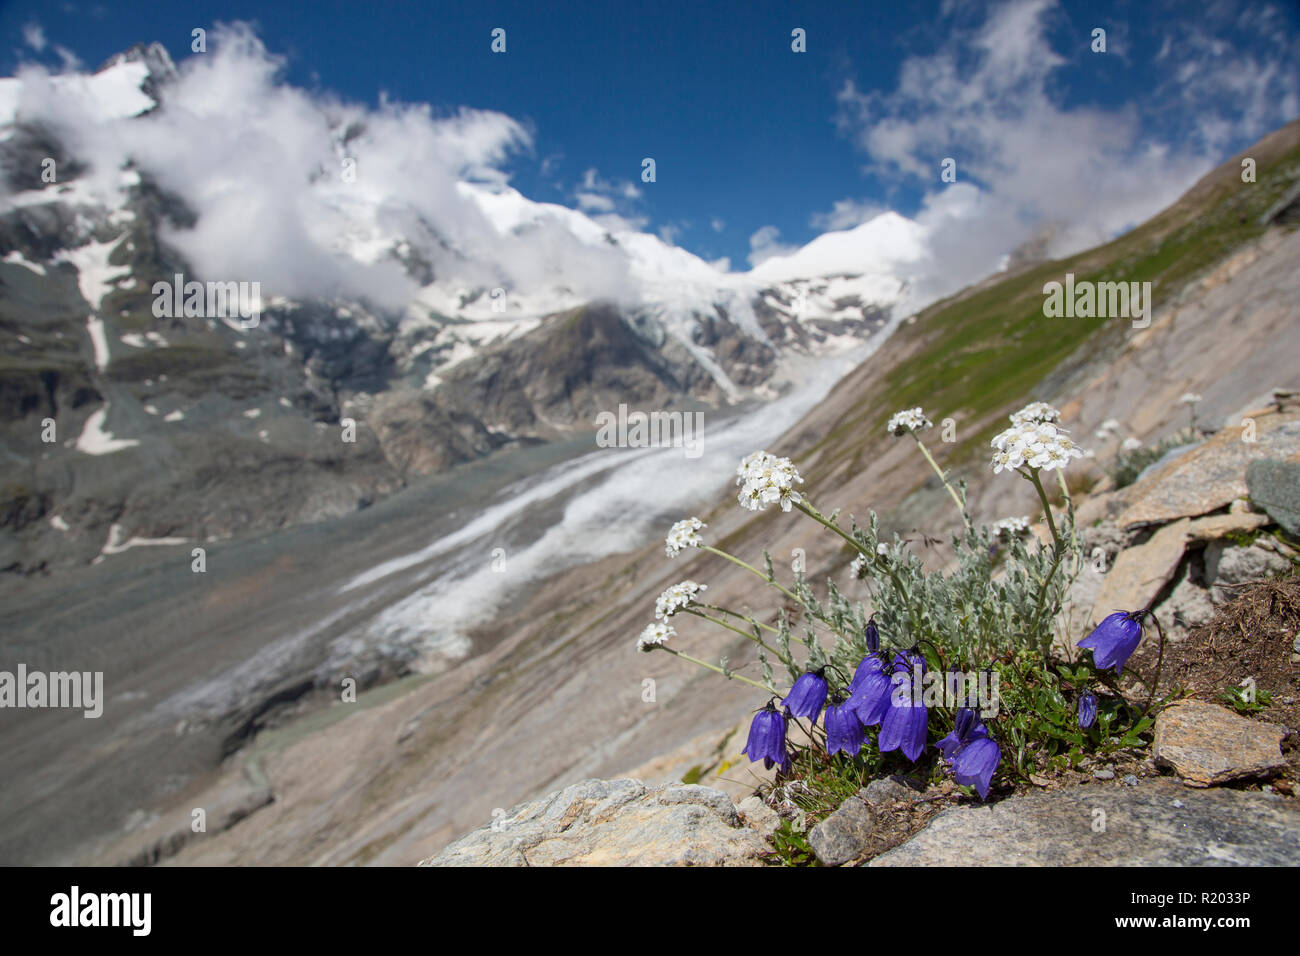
(970, 673)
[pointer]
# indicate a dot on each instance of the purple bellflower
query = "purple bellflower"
(1087, 709)
(807, 695)
(1115, 639)
(767, 738)
(869, 691)
(844, 732)
(906, 718)
(971, 753)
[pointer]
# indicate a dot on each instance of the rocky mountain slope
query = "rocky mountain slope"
(188, 425)
(555, 691)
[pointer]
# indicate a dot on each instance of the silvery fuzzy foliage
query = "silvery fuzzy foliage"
(983, 611)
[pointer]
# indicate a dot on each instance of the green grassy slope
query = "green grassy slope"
(980, 353)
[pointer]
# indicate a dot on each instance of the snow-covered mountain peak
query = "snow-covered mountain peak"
(393, 212)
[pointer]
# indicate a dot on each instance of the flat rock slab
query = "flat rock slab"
(1214, 527)
(613, 823)
(1157, 823)
(1213, 474)
(1140, 573)
(1206, 744)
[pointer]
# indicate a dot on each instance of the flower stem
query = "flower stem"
(961, 508)
(751, 569)
(822, 520)
(1160, 660)
(745, 634)
(1032, 475)
(718, 670)
(825, 522)
(1058, 548)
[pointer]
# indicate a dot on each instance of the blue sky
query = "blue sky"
(751, 139)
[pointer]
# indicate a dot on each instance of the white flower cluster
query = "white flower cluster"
(677, 598)
(911, 419)
(684, 534)
(765, 479)
(1108, 428)
(1190, 398)
(1010, 527)
(654, 635)
(1034, 439)
(1036, 413)
(1131, 444)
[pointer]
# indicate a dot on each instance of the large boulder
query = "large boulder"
(1157, 823)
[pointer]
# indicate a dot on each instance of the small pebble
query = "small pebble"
(1105, 773)
(1177, 804)
(1130, 781)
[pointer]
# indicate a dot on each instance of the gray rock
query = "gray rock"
(843, 835)
(759, 815)
(1229, 564)
(613, 823)
(1104, 773)
(1158, 823)
(1275, 485)
(1211, 475)
(1206, 744)
(1188, 605)
(1130, 780)
(887, 790)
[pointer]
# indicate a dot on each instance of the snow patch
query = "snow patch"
(99, 341)
(16, 258)
(95, 277)
(115, 544)
(95, 440)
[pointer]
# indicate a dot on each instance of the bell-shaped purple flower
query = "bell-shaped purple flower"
(906, 718)
(1087, 709)
(767, 738)
(975, 764)
(971, 753)
(966, 727)
(872, 636)
(807, 695)
(869, 691)
(871, 664)
(844, 732)
(1115, 639)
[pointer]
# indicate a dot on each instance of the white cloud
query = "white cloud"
(593, 202)
(1027, 164)
(717, 225)
(258, 159)
(34, 36)
(845, 214)
(613, 203)
(764, 244)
